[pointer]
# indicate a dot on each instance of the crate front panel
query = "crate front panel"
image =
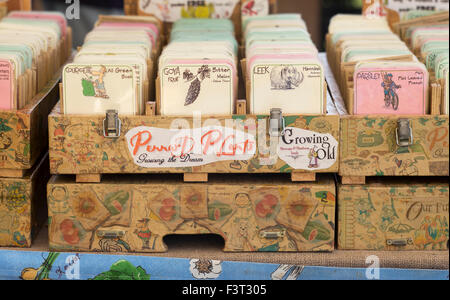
(15, 212)
(23, 133)
(135, 217)
(368, 147)
(371, 215)
(77, 146)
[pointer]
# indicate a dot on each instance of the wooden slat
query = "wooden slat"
(241, 107)
(303, 177)
(89, 178)
(150, 109)
(195, 177)
(350, 180)
(11, 173)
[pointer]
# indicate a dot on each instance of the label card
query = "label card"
(94, 89)
(292, 87)
(188, 88)
(405, 6)
(164, 148)
(6, 85)
(307, 150)
(395, 91)
(173, 10)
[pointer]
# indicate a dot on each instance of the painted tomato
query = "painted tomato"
(266, 207)
(167, 211)
(70, 232)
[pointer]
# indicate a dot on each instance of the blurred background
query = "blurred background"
(316, 13)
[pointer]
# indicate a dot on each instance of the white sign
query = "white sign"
(252, 8)
(307, 150)
(164, 148)
(173, 10)
(402, 6)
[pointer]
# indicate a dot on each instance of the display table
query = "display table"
(189, 254)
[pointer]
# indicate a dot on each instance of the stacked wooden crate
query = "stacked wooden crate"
(125, 199)
(24, 164)
(392, 196)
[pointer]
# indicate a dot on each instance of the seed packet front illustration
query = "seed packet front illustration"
(205, 88)
(96, 88)
(6, 82)
(391, 91)
(295, 88)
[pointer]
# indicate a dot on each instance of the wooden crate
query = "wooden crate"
(394, 215)
(78, 146)
(369, 147)
(10, 5)
(368, 144)
(135, 213)
(23, 206)
(24, 133)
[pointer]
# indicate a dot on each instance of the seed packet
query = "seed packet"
(391, 88)
(113, 69)
(25, 38)
(283, 69)
(7, 77)
(93, 89)
(198, 69)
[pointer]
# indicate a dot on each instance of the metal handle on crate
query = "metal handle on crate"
(399, 242)
(272, 235)
(112, 125)
(105, 234)
(404, 133)
(276, 122)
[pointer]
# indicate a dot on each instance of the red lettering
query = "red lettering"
(231, 147)
(436, 136)
(210, 141)
(183, 142)
(136, 141)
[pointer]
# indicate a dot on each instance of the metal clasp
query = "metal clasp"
(112, 125)
(272, 235)
(110, 234)
(399, 242)
(276, 122)
(404, 133)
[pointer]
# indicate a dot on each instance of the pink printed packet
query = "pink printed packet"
(391, 88)
(59, 18)
(6, 85)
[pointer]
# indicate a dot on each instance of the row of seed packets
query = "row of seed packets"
(388, 78)
(113, 69)
(30, 45)
(282, 66)
(431, 43)
(198, 69)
